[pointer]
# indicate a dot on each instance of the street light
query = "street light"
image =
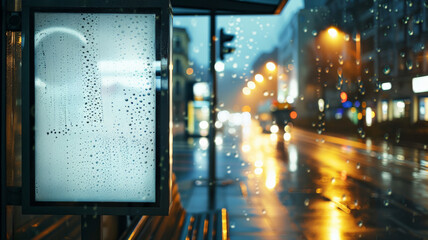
(259, 78)
(251, 85)
(332, 32)
(270, 66)
(336, 44)
(246, 91)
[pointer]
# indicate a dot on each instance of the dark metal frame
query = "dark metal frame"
(3, 228)
(226, 7)
(163, 81)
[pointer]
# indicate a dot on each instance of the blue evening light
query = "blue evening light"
(357, 104)
(347, 104)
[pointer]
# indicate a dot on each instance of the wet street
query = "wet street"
(309, 187)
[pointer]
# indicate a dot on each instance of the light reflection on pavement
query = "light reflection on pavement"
(316, 187)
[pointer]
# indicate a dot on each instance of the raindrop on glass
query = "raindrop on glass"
(360, 223)
(386, 70)
(346, 37)
(306, 202)
(389, 191)
(358, 166)
(386, 203)
(409, 65)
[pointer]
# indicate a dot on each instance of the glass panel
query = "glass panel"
(191, 36)
(19, 226)
(95, 107)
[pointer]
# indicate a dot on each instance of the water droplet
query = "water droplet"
(247, 219)
(346, 37)
(409, 65)
(386, 70)
(263, 211)
(344, 197)
(341, 60)
(333, 180)
(410, 32)
(314, 33)
(356, 203)
(389, 192)
(386, 203)
(358, 166)
(386, 136)
(360, 223)
(306, 202)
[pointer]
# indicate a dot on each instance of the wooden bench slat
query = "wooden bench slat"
(180, 224)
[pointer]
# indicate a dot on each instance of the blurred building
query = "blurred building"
(380, 66)
(393, 53)
(296, 84)
(181, 75)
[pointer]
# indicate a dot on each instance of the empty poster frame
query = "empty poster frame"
(48, 150)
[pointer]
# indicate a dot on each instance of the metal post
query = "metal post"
(212, 148)
(91, 227)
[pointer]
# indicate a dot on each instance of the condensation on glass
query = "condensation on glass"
(95, 99)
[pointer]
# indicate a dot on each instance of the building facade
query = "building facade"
(181, 75)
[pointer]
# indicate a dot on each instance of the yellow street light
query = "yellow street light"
(246, 91)
(270, 66)
(332, 32)
(259, 78)
(251, 85)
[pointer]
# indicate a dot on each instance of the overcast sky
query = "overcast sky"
(254, 35)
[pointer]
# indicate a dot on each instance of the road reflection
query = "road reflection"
(332, 187)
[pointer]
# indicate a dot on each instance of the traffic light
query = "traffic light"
(224, 38)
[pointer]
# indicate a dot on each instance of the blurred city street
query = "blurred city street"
(288, 119)
(313, 186)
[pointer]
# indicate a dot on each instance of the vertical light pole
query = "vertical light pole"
(213, 115)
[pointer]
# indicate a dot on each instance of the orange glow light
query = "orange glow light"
(293, 115)
(246, 108)
(189, 71)
(343, 96)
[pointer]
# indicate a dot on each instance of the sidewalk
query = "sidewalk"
(255, 212)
